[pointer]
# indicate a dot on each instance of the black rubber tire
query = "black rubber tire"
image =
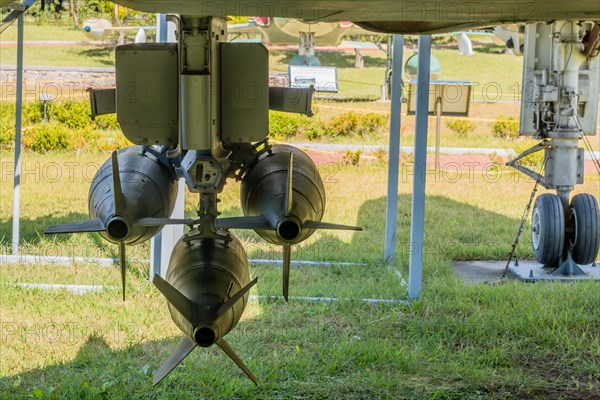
(587, 217)
(548, 230)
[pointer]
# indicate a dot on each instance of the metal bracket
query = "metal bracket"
(532, 174)
(102, 101)
(292, 100)
(17, 9)
(207, 213)
(568, 267)
(243, 156)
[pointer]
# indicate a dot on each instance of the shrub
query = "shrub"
(351, 123)
(283, 125)
(73, 114)
(89, 139)
(108, 121)
(69, 127)
(505, 127)
(7, 111)
(7, 125)
(533, 161)
(313, 128)
(343, 125)
(461, 126)
(33, 113)
(122, 141)
(353, 157)
(50, 136)
(7, 134)
(381, 154)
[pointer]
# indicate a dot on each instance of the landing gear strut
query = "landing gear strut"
(559, 105)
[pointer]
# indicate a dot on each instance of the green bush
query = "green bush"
(51, 136)
(343, 125)
(372, 123)
(353, 157)
(351, 123)
(73, 114)
(69, 127)
(505, 127)
(283, 125)
(7, 111)
(313, 128)
(108, 121)
(533, 161)
(7, 134)
(382, 155)
(33, 113)
(461, 127)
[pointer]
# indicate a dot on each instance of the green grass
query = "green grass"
(462, 341)
(61, 56)
(354, 83)
(492, 84)
(35, 31)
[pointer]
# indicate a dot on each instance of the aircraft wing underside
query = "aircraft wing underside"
(391, 16)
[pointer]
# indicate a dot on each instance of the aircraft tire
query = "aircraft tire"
(587, 228)
(548, 230)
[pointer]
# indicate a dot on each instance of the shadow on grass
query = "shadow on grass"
(101, 54)
(32, 230)
(97, 371)
(489, 49)
(325, 360)
(453, 231)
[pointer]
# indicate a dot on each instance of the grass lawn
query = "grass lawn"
(492, 74)
(496, 79)
(505, 340)
(500, 340)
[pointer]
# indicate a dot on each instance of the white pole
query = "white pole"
(415, 268)
(391, 214)
(438, 128)
(18, 123)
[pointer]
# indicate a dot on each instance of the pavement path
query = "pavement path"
(452, 159)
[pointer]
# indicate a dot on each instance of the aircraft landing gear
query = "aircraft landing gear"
(585, 215)
(306, 51)
(559, 105)
(558, 240)
(548, 229)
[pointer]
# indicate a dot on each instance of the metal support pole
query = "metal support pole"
(438, 128)
(18, 123)
(415, 274)
(161, 28)
(161, 245)
(391, 215)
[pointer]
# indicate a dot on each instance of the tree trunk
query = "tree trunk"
(74, 11)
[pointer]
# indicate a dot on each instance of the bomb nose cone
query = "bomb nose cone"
(205, 336)
(289, 229)
(117, 229)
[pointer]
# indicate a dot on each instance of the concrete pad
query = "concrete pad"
(526, 271)
(480, 271)
(531, 271)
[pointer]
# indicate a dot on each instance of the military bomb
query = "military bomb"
(207, 287)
